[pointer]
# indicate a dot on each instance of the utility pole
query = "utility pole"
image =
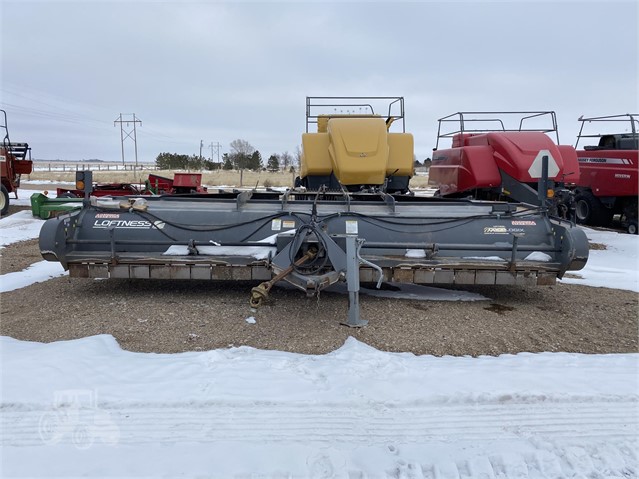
(128, 132)
(201, 145)
(217, 148)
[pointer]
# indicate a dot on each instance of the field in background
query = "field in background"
(115, 173)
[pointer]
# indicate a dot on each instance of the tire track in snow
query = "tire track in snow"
(319, 423)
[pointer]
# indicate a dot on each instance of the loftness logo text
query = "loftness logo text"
(103, 224)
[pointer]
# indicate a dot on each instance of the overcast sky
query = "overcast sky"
(218, 71)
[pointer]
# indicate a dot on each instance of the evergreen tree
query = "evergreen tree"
(227, 162)
(175, 161)
(255, 161)
(273, 163)
(163, 161)
(210, 165)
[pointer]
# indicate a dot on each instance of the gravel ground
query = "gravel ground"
(15, 209)
(164, 316)
(18, 256)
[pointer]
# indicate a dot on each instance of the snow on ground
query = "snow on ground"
(36, 273)
(615, 267)
(46, 182)
(20, 226)
(424, 191)
(87, 408)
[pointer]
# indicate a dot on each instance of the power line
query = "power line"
(126, 134)
(217, 148)
(76, 119)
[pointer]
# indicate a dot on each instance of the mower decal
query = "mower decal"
(524, 223)
(276, 225)
(288, 224)
(501, 230)
(111, 216)
(622, 176)
(495, 230)
(351, 227)
(126, 224)
(3, 158)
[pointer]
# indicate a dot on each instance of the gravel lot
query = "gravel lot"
(164, 316)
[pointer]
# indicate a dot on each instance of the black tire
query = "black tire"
(591, 211)
(4, 201)
(630, 214)
(68, 194)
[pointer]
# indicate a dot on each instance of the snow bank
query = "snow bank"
(615, 267)
(355, 412)
(36, 273)
(20, 226)
(33, 371)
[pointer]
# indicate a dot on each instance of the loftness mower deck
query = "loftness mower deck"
(313, 239)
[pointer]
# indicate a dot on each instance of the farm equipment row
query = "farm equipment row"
(609, 174)
(489, 161)
(351, 217)
(70, 199)
(181, 183)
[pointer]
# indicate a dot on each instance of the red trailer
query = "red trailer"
(180, 184)
(15, 160)
(104, 189)
(155, 184)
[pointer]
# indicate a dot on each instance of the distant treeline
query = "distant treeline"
(175, 161)
(241, 157)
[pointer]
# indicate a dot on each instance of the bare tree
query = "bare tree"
(242, 147)
(298, 156)
(285, 160)
(241, 154)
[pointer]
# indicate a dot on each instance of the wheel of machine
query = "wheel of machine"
(591, 211)
(68, 194)
(630, 214)
(4, 201)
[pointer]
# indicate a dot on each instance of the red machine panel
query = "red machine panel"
(609, 172)
(474, 160)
